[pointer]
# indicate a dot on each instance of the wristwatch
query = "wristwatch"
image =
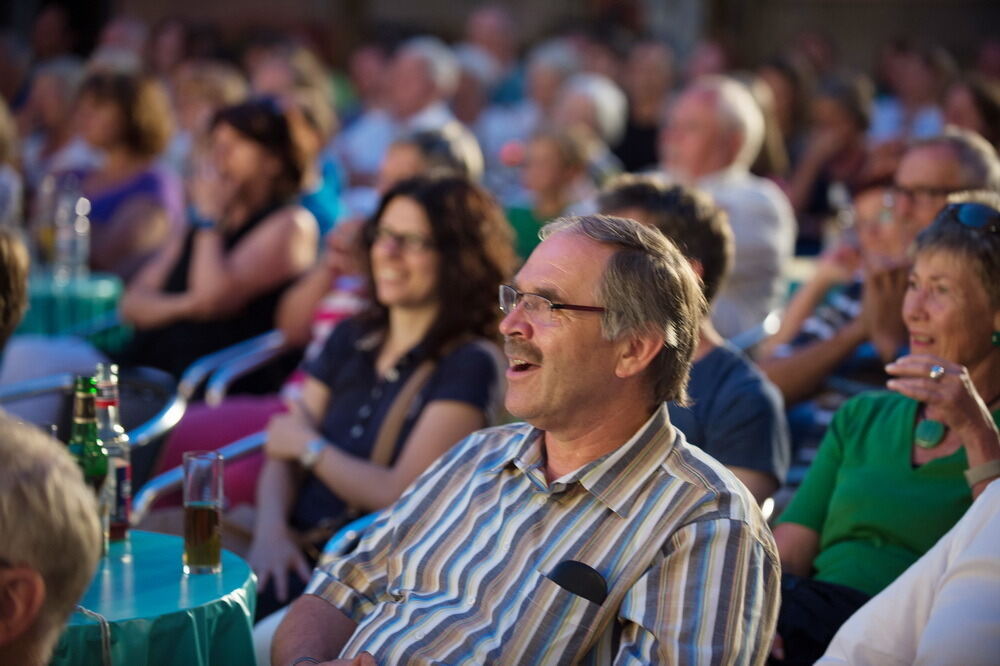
(314, 449)
(198, 221)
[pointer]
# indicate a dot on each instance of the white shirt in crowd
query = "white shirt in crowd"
(945, 609)
(361, 147)
(764, 234)
(75, 155)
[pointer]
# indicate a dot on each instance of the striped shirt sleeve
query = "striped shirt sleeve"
(356, 583)
(702, 601)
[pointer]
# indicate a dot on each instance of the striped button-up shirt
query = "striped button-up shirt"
(458, 570)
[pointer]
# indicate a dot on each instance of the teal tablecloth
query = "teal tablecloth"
(56, 307)
(160, 616)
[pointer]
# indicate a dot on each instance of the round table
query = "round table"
(159, 615)
(57, 307)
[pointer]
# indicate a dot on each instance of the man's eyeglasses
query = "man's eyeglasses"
(916, 194)
(539, 309)
(406, 242)
(974, 215)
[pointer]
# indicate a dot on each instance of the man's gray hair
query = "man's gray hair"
(555, 54)
(608, 100)
(49, 522)
(648, 284)
(977, 158)
(452, 147)
(442, 65)
(478, 63)
(737, 111)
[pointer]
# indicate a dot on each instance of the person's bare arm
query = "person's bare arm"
(760, 484)
(282, 247)
(372, 487)
(365, 484)
(274, 552)
(798, 546)
(802, 304)
(135, 231)
(835, 267)
(803, 178)
(145, 304)
(882, 309)
(312, 628)
(801, 373)
(341, 257)
(294, 316)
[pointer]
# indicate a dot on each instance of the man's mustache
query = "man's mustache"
(522, 350)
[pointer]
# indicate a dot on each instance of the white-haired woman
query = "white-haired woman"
(898, 469)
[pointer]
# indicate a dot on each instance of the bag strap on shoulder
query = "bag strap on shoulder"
(392, 424)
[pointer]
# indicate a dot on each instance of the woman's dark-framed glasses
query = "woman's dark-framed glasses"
(538, 308)
(975, 215)
(407, 242)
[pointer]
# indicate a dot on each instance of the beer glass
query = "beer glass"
(202, 512)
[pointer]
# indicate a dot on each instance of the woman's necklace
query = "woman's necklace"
(929, 432)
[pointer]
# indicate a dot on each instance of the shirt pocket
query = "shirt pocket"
(557, 626)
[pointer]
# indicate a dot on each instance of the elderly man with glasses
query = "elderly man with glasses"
(930, 170)
(593, 533)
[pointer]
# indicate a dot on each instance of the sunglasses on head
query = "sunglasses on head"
(975, 215)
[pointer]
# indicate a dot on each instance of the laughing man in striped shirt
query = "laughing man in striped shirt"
(591, 534)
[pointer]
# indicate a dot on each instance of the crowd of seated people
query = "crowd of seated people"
(735, 414)
(220, 280)
(331, 291)
(237, 186)
(817, 335)
(888, 480)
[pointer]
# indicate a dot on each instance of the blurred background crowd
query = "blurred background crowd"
(547, 106)
(828, 141)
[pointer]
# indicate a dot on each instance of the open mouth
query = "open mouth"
(917, 340)
(389, 275)
(519, 367)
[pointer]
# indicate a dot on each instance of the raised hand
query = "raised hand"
(945, 388)
(882, 308)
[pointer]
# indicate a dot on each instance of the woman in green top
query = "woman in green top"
(555, 175)
(896, 470)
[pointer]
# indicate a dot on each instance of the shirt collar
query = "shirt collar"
(722, 176)
(523, 450)
(433, 116)
(614, 479)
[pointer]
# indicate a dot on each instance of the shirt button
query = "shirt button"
(365, 411)
(392, 375)
(376, 392)
(357, 431)
(540, 499)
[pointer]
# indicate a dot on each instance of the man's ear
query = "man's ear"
(733, 144)
(698, 269)
(22, 593)
(636, 351)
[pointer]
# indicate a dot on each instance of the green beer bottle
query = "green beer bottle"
(84, 444)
